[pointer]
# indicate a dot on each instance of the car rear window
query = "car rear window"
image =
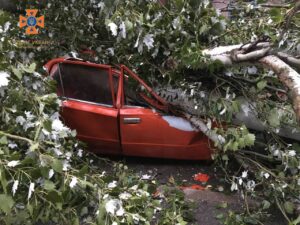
(84, 83)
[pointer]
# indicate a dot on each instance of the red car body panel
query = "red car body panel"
(96, 125)
(129, 130)
(153, 137)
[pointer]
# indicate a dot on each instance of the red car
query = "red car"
(116, 112)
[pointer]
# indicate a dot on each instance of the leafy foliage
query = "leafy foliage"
(163, 44)
(44, 173)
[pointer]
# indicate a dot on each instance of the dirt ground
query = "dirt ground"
(207, 202)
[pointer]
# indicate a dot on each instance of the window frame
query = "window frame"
(99, 66)
(141, 82)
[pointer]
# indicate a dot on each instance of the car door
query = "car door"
(89, 103)
(146, 131)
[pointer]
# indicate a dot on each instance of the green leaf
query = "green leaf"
(149, 213)
(293, 163)
(30, 209)
(3, 179)
(225, 157)
(83, 170)
(102, 214)
(235, 106)
(76, 221)
(227, 146)
(54, 196)
(266, 204)
(17, 72)
(3, 140)
(128, 25)
(220, 216)
(49, 185)
(57, 165)
(235, 146)
(30, 69)
(7, 203)
(273, 118)
(84, 211)
(22, 216)
(46, 159)
(27, 161)
(250, 220)
(296, 221)
(179, 3)
(203, 29)
(261, 84)
(241, 142)
(107, 21)
(47, 125)
(222, 205)
(289, 207)
(276, 15)
(249, 139)
(296, 147)
(181, 221)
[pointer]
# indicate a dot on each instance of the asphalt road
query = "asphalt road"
(207, 201)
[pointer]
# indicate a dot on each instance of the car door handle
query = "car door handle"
(131, 120)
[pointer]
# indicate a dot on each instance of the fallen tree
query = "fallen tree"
(261, 53)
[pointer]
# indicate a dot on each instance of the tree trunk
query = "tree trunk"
(260, 53)
(288, 76)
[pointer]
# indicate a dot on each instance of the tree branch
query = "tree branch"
(221, 50)
(274, 6)
(16, 137)
(252, 55)
(289, 59)
(229, 55)
(200, 125)
(288, 76)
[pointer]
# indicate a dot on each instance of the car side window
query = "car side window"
(85, 83)
(135, 93)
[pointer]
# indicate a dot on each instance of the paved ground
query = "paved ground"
(206, 201)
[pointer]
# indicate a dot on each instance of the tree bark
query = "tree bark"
(288, 76)
(293, 61)
(234, 54)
